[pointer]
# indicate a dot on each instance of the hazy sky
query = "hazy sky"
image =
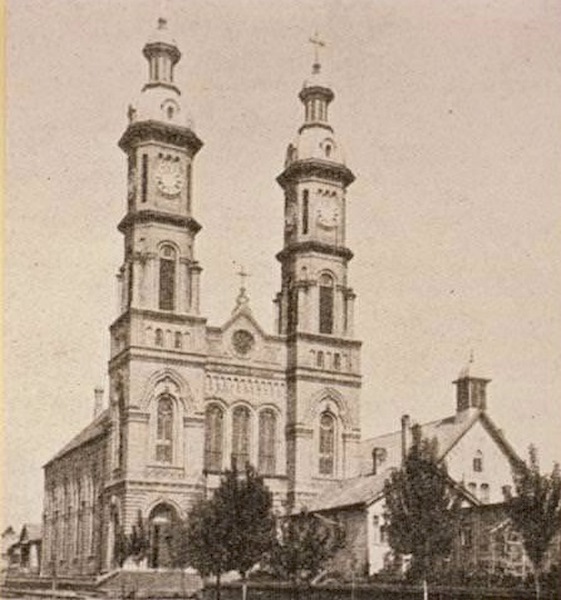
(450, 114)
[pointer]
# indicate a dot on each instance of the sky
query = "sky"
(450, 117)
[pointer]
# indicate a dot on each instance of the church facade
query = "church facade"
(187, 400)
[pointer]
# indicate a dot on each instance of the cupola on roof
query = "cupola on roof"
(316, 138)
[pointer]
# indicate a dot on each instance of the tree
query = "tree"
(205, 546)
(120, 546)
(138, 542)
(422, 509)
(245, 504)
(535, 510)
(304, 544)
(234, 529)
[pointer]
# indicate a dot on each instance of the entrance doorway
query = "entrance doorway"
(162, 519)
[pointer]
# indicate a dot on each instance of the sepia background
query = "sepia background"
(451, 118)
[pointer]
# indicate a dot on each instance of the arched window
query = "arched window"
(478, 462)
(214, 423)
(166, 295)
(484, 493)
(164, 430)
(327, 444)
(326, 304)
(240, 437)
(320, 359)
(267, 442)
(159, 337)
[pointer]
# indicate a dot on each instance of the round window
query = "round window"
(243, 341)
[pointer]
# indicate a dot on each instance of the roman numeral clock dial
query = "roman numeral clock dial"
(169, 176)
(328, 213)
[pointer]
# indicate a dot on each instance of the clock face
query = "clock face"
(169, 177)
(328, 213)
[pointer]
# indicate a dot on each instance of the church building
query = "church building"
(187, 400)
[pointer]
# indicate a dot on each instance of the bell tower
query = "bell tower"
(315, 304)
(158, 340)
(159, 270)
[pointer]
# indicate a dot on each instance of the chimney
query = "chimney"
(98, 402)
(374, 461)
(405, 426)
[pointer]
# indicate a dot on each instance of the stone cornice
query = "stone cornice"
(316, 167)
(314, 246)
(142, 131)
(155, 216)
(328, 340)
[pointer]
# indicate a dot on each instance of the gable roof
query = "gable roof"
(92, 431)
(447, 432)
(30, 532)
(367, 488)
(349, 492)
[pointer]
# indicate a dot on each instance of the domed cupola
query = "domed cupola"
(471, 388)
(162, 54)
(316, 145)
(160, 100)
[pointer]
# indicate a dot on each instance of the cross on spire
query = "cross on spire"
(243, 275)
(243, 298)
(318, 43)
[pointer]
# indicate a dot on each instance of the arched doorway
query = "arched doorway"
(161, 521)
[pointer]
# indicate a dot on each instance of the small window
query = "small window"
(478, 462)
(320, 359)
(178, 341)
(484, 493)
(159, 337)
(328, 150)
(170, 112)
(472, 487)
(337, 361)
(144, 178)
(305, 211)
(466, 537)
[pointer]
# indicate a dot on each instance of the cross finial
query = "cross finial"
(317, 43)
(243, 298)
(243, 275)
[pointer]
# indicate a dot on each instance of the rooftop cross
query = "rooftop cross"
(243, 275)
(317, 43)
(243, 298)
